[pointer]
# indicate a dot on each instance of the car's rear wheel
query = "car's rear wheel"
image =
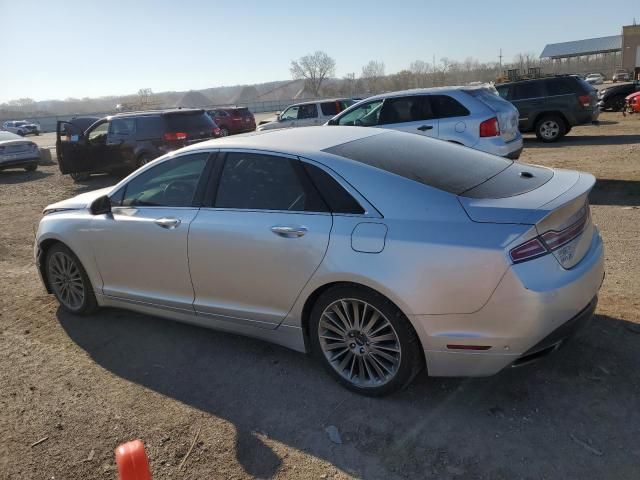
(80, 177)
(68, 281)
(31, 168)
(224, 132)
(550, 128)
(364, 340)
(20, 132)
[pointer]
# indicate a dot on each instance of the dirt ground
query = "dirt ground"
(81, 386)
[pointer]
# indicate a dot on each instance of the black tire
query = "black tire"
(80, 177)
(31, 168)
(88, 303)
(20, 132)
(617, 103)
(224, 132)
(568, 129)
(550, 128)
(143, 160)
(409, 357)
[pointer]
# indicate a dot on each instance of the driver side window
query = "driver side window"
(364, 116)
(172, 183)
(290, 113)
(99, 133)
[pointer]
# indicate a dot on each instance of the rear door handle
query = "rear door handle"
(168, 222)
(289, 232)
(424, 128)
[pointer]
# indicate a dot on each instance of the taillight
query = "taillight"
(553, 239)
(548, 241)
(236, 119)
(490, 128)
(530, 249)
(216, 132)
(172, 136)
(585, 100)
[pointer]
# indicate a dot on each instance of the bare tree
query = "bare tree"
(421, 72)
(314, 68)
(349, 81)
(144, 97)
(372, 72)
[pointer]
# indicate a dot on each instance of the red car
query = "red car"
(632, 103)
(232, 120)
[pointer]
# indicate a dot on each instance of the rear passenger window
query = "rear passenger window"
(330, 108)
(307, 111)
(122, 126)
(149, 127)
(559, 86)
(445, 106)
(522, 91)
(264, 182)
(334, 195)
(405, 109)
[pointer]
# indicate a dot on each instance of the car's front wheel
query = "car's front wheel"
(364, 340)
(550, 128)
(68, 281)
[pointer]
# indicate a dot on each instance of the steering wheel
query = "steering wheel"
(175, 192)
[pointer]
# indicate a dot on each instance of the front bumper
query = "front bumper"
(533, 300)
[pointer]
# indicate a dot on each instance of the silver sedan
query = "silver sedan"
(380, 252)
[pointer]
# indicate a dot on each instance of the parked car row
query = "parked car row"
(21, 127)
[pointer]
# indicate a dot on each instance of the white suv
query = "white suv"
(308, 114)
(471, 116)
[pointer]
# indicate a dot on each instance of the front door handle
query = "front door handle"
(289, 232)
(168, 222)
(424, 128)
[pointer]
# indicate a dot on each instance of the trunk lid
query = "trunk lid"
(555, 203)
(506, 113)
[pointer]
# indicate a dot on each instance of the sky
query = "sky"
(59, 49)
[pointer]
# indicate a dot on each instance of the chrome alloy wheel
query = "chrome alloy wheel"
(65, 280)
(359, 342)
(549, 129)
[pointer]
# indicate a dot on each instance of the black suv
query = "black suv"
(550, 106)
(129, 140)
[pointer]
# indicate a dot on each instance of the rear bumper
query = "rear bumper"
(535, 305)
(19, 162)
(497, 146)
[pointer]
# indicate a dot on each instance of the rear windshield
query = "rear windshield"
(586, 86)
(243, 112)
(431, 162)
(189, 122)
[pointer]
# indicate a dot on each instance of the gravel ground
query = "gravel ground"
(254, 410)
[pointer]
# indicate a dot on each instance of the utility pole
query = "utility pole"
(500, 57)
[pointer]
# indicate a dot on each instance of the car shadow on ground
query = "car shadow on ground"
(524, 422)
(8, 177)
(583, 140)
(615, 192)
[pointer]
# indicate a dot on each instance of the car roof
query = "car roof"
(293, 141)
(423, 91)
(322, 100)
(148, 113)
(9, 137)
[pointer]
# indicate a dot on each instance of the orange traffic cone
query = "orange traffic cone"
(132, 461)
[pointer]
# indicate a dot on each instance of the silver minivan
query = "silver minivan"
(471, 116)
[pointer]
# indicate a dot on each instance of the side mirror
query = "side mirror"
(100, 205)
(333, 121)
